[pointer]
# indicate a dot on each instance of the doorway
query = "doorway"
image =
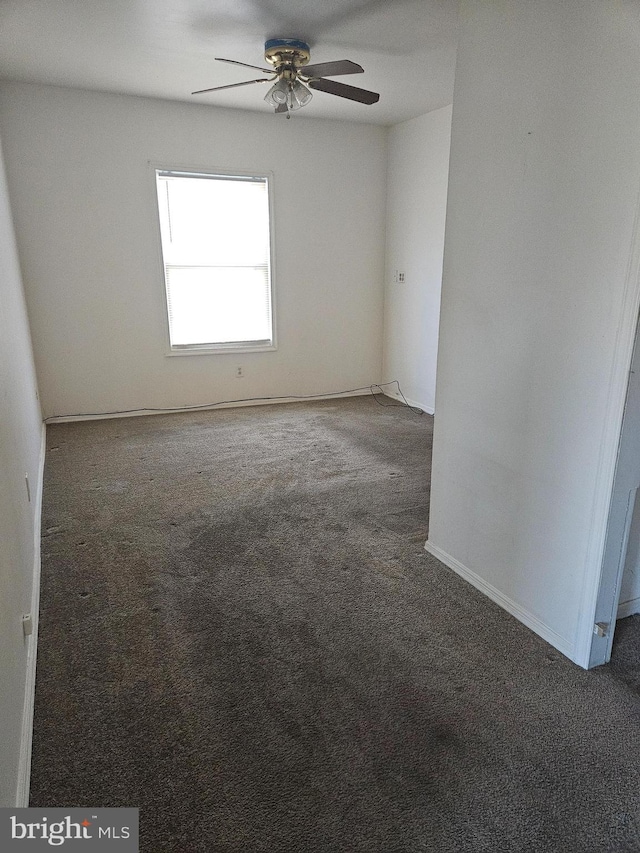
(619, 594)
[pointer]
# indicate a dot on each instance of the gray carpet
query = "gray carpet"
(625, 661)
(242, 634)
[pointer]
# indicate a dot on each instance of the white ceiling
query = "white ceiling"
(166, 48)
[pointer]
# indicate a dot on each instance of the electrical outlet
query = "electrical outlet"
(239, 372)
(401, 278)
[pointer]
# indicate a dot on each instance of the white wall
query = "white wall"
(538, 304)
(84, 207)
(20, 455)
(418, 164)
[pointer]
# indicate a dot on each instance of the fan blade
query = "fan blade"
(331, 69)
(333, 87)
(231, 86)
(235, 62)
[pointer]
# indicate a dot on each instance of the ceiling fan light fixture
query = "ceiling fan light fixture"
(299, 95)
(291, 94)
(295, 78)
(277, 94)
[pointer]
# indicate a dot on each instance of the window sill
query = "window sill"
(220, 349)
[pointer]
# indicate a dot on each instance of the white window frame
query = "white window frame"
(215, 348)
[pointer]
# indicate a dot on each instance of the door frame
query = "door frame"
(601, 588)
(626, 485)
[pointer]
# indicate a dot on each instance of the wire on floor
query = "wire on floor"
(406, 404)
(203, 406)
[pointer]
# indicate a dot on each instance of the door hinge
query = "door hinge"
(601, 629)
(27, 625)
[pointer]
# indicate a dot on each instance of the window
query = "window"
(216, 256)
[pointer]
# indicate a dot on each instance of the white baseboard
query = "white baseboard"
(232, 404)
(522, 615)
(416, 404)
(628, 608)
(26, 740)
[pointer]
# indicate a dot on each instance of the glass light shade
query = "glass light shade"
(277, 94)
(299, 96)
(290, 93)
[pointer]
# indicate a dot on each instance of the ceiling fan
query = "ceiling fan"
(294, 77)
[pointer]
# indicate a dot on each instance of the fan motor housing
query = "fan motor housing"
(287, 56)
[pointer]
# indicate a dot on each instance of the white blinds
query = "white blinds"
(216, 247)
